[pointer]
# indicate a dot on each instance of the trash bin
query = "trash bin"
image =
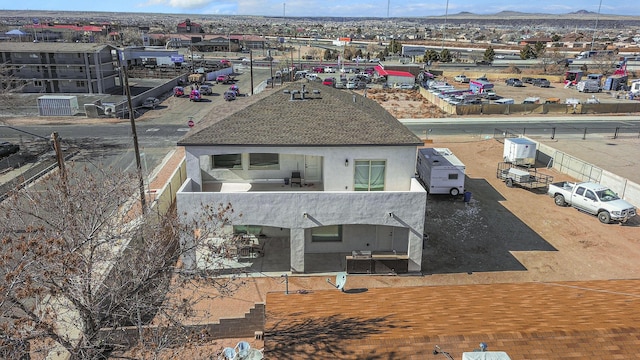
(286, 181)
(467, 196)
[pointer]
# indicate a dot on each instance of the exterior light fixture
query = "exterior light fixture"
(346, 162)
(305, 215)
(390, 214)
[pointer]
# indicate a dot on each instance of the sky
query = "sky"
(334, 8)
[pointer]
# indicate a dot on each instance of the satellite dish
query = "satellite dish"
(229, 353)
(243, 348)
(254, 354)
(341, 279)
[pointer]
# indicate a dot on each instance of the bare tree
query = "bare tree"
(605, 64)
(81, 261)
(10, 85)
(314, 52)
(554, 62)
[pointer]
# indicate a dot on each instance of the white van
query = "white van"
(505, 101)
(300, 74)
(635, 87)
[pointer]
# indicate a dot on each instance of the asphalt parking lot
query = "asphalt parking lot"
(556, 90)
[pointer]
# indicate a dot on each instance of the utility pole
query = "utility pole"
(271, 69)
(593, 39)
(251, 68)
(143, 200)
(59, 156)
(292, 66)
(444, 28)
(55, 139)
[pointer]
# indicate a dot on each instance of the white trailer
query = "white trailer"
(635, 87)
(440, 171)
(519, 151)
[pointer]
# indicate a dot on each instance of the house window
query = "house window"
(37, 83)
(79, 83)
(453, 176)
(264, 161)
(247, 229)
(369, 175)
(331, 233)
(227, 161)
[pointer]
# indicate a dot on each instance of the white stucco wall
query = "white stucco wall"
(400, 164)
(286, 209)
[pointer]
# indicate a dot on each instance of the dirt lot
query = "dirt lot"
(512, 234)
(409, 104)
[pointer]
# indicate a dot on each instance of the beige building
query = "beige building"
(60, 67)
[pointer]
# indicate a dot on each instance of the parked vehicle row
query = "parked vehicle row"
(541, 82)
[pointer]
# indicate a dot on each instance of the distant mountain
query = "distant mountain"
(465, 13)
(582, 12)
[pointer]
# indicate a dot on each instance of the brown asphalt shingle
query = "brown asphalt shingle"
(330, 118)
(564, 320)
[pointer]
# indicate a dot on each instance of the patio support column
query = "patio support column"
(415, 252)
(193, 168)
(297, 250)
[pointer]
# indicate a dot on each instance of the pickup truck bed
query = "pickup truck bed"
(592, 198)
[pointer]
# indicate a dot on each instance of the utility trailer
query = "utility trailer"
(528, 178)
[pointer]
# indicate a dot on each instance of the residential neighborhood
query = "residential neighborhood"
(283, 187)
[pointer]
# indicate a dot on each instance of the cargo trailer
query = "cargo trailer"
(519, 151)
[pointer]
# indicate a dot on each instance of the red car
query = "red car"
(318, 69)
(178, 91)
(329, 81)
(195, 95)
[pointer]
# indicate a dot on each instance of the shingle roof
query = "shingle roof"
(330, 118)
(560, 320)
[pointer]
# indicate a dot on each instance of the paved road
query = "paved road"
(158, 130)
(556, 127)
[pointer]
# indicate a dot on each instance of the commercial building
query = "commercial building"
(60, 67)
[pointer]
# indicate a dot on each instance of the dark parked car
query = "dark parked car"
(7, 148)
(541, 82)
(527, 80)
(206, 90)
(513, 82)
(229, 95)
(150, 103)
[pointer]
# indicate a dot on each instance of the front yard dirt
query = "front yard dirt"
(520, 235)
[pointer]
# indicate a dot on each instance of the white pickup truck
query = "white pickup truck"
(592, 198)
